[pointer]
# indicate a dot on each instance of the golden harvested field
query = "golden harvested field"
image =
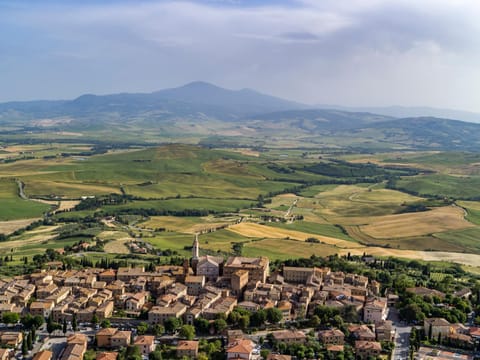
(355, 200)
(189, 225)
(461, 258)
(62, 205)
(68, 189)
(384, 195)
(286, 249)
(117, 241)
(67, 204)
(263, 231)
(117, 246)
(39, 238)
(7, 227)
(417, 224)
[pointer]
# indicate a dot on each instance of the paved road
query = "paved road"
(402, 337)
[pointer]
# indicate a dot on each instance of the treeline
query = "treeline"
(340, 168)
(96, 202)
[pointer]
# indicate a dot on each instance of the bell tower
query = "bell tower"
(195, 253)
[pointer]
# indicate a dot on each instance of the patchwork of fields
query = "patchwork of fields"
(269, 202)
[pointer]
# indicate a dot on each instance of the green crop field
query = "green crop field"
(315, 228)
(468, 239)
(458, 187)
(13, 207)
(350, 212)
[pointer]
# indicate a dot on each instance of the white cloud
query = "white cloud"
(329, 51)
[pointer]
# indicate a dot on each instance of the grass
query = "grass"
(171, 240)
(315, 228)
(468, 239)
(13, 207)
(473, 211)
(312, 191)
(152, 173)
(172, 223)
(283, 249)
(457, 187)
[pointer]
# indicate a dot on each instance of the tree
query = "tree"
(258, 318)
(34, 334)
(29, 341)
(24, 346)
(105, 324)
(94, 319)
(274, 315)
(142, 328)
(10, 318)
(412, 312)
(155, 355)
(51, 325)
(264, 353)
(74, 323)
(220, 325)
(187, 332)
(89, 355)
(157, 329)
(314, 321)
(133, 353)
(202, 325)
(38, 321)
(64, 327)
(244, 321)
(172, 324)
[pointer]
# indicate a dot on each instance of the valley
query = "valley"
(279, 203)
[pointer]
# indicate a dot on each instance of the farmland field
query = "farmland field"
(271, 201)
(417, 224)
(13, 207)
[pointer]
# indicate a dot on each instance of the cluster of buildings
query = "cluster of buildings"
(206, 287)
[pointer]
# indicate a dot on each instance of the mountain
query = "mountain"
(412, 111)
(322, 119)
(213, 115)
(430, 133)
(241, 102)
(194, 99)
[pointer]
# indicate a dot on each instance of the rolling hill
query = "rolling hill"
(200, 112)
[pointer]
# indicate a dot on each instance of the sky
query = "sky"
(342, 52)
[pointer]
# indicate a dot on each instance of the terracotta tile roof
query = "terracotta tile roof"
(187, 345)
(242, 346)
(144, 340)
(107, 356)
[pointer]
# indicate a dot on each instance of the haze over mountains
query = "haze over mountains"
(206, 109)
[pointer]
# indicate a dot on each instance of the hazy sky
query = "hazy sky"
(347, 52)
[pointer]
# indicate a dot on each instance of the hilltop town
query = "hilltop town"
(235, 308)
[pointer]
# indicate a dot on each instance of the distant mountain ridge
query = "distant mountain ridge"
(190, 99)
(411, 111)
(207, 112)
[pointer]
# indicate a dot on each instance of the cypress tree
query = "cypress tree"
(29, 341)
(24, 346)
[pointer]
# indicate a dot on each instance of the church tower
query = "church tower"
(195, 254)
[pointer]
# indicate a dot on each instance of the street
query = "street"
(402, 336)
